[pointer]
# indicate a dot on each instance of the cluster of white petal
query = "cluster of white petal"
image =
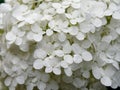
(59, 44)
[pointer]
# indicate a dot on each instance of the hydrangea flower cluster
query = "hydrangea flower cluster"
(59, 44)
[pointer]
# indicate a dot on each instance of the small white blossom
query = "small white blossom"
(58, 44)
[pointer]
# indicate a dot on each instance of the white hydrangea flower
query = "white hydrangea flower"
(59, 44)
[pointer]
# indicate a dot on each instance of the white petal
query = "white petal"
(20, 33)
(24, 47)
(8, 81)
(118, 30)
(56, 5)
(51, 24)
(76, 5)
(68, 16)
(107, 39)
(85, 27)
(60, 10)
(30, 35)
(73, 21)
(77, 82)
(97, 22)
(56, 71)
(41, 86)
(30, 86)
(117, 57)
(49, 32)
(10, 36)
(96, 72)
(37, 37)
(20, 79)
(59, 53)
(64, 64)
(77, 58)
(87, 56)
(36, 28)
(109, 71)
(67, 48)
(86, 44)
(76, 48)
(80, 36)
(32, 18)
(68, 71)
(106, 81)
(73, 31)
(116, 65)
(40, 53)
(116, 15)
(108, 12)
(38, 64)
(18, 41)
(4, 7)
(68, 59)
(62, 37)
(48, 69)
(113, 6)
(18, 12)
(86, 74)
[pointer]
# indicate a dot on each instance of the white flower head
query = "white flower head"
(58, 44)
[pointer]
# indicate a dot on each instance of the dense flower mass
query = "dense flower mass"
(59, 44)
